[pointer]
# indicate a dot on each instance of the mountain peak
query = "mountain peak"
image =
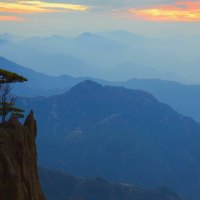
(87, 85)
(89, 89)
(88, 34)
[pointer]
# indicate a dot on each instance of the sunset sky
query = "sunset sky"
(148, 17)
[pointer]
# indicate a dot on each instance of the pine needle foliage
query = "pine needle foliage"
(7, 100)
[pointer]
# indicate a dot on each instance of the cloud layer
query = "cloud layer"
(29, 7)
(147, 10)
(10, 19)
(177, 12)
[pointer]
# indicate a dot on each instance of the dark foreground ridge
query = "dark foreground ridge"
(120, 135)
(59, 186)
(18, 163)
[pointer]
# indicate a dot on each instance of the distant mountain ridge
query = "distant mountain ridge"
(91, 54)
(175, 94)
(118, 134)
(59, 186)
(38, 84)
(183, 98)
(56, 63)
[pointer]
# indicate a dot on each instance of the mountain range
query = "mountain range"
(118, 134)
(59, 186)
(38, 84)
(182, 97)
(102, 112)
(92, 54)
(19, 178)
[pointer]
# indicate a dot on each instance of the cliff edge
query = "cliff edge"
(18, 161)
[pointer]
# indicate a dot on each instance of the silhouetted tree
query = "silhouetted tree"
(7, 100)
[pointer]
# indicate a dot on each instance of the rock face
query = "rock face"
(18, 161)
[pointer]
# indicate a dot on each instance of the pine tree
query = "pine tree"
(7, 100)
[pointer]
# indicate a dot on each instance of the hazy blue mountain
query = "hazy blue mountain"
(11, 37)
(104, 51)
(126, 37)
(59, 43)
(160, 53)
(183, 98)
(178, 54)
(63, 63)
(98, 50)
(188, 45)
(90, 48)
(128, 70)
(38, 84)
(59, 186)
(118, 134)
(177, 95)
(96, 42)
(88, 54)
(138, 40)
(53, 64)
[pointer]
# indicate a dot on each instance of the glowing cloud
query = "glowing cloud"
(10, 19)
(28, 7)
(178, 12)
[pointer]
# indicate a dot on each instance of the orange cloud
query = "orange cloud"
(28, 7)
(177, 12)
(10, 19)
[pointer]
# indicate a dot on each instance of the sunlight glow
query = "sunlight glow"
(9, 19)
(178, 12)
(25, 7)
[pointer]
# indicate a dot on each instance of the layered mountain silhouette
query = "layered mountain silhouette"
(89, 53)
(39, 84)
(127, 70)
(118, 134)
(175, 94)
(183, 98)
(52, 63)
(59, 186)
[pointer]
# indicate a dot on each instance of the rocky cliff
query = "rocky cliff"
(18, 161)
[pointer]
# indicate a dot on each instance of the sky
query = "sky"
(158, 18)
